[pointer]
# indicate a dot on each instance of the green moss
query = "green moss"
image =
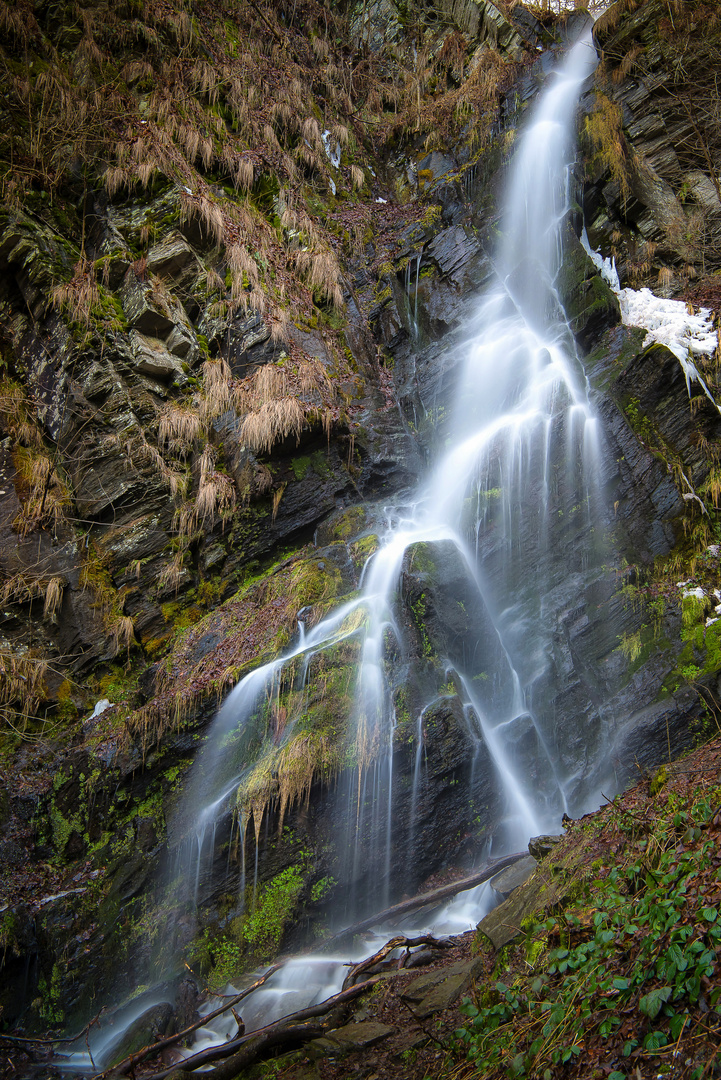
(349, 524)
(659, 780)
(263, 928)
(418, 610)
(180, 616)
(299, 467)
(361, 550)
(421, 561)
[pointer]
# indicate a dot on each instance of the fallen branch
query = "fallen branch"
(394, 943)
(129, 1063)
(425, 899)
(254, 1049)
(259, 1039)
(23, 1041)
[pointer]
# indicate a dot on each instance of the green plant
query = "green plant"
(637, 975)
(263, 928)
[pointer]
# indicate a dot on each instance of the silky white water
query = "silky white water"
(521, 417)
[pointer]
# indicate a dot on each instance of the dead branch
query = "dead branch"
(399, 942)
(54, 1040)
(251, 1047)
(425, 899)
(129, 1063)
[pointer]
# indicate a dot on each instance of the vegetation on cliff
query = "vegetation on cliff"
(201, 281)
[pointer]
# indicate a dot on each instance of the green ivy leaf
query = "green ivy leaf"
(651, 1004)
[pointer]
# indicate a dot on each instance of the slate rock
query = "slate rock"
(438, 990)
(152, 358)
(513, 876)
(503, 924)
(539, 846)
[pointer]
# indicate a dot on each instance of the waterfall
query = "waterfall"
(521, 427)
(521, 413)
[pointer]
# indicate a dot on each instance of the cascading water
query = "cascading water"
(521, 426)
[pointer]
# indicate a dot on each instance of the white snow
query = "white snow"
(381, 200)
(697, 593)
(333, 155)
(686, 333)
(100, 707)
(331, 182)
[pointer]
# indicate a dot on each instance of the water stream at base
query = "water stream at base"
(521, 415)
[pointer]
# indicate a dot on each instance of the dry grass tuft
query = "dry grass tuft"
(179, 429)
(79, 296)
(123, 634)
(22, 687)
(604, 129)
(273, 422)
(217, 397)
(53, 598)
(44, 494)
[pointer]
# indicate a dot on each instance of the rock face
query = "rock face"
(162, 600)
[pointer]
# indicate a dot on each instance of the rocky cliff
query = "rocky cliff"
(238, 249)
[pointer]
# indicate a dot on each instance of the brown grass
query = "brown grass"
(179, 428)
(44, 494)
(604, 129)
(22, 675)
(53, 598)
(79, 296)
(123, 634)
(273, 422)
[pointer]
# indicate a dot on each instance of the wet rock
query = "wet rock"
(145, 308)
(172, 258)
(356, 1036)
(152, 357)
(420, 958)
(539, 846)
(591, 306)
(513, 876)
(438, 990)
(186, 1003)
(152, 1025)
(503, 924)
(448, 613)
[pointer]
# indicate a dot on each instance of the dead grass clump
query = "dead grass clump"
(205, 211)
(172, 573)
(273, 422)
(53, 598)
(79, 296)
(217, 397)
(123, 634)
(604, 130)
(607, 22)
(44, 495)
(357, 177)
(18, 415)
(140, 452)
(22, 675)
(179, 429)
(280, 324)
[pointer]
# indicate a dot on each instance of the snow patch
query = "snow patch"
(100, 707)
(332, 155)
(669, 322)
